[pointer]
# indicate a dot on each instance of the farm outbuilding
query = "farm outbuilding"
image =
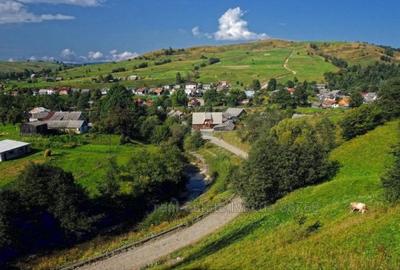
(34, 128)
(10, 149)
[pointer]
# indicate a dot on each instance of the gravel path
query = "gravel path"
(225, 145)
(152, 251)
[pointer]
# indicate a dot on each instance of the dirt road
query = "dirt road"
(152, 251)
(225, 145)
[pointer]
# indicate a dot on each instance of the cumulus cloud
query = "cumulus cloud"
(232, 26)
(68, 55)
(17, 11)
(116, 56)
(95, 56)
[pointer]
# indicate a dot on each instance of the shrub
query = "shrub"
(360, 120)
(213, 60)
(194, 141)
(391, 179)
(163, 213)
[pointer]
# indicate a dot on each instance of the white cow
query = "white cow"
(359, 207)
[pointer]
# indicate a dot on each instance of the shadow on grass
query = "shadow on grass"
(224, 241)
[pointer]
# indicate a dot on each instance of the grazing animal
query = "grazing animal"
(359, 207)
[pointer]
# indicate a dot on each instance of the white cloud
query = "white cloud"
(17, 11)
(95, 56)
(197, 33)
(115, 56)
(231, 27)
(85, 3)
(68, 55)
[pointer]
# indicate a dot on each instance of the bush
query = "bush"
(360, 120)
(391, 180)
(163, 213)
(213, 60)
(194, 141)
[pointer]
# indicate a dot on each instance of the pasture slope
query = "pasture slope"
(29, 65)
(312, 228)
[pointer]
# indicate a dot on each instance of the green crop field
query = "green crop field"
(312, 228)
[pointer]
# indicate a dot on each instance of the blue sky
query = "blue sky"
(102, 30)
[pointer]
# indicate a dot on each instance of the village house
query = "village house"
(190, 88)
(223, 85)
(34, 128)
(167, 87)
(10, 149)
(370, 97)
(291, 90)
(44, 122)
(194, 102)
(142, 91)
(158, 91)
(38, 114)
(104, 91)
(176, 113)
(234, 113)
(225, 126)
(206, 120)
(64, 91)
(46, 92)
(249, 94)
(207, 86)
(133, 78)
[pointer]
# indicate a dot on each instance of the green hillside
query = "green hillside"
(312, 228)
(20, 66)
(239, 64)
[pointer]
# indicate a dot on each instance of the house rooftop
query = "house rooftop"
(198, 118)
(234, 112)
(66, 116)
(7, 145)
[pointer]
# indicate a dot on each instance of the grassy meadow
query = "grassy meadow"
(86, 156)
(20, 66)
(312, 228)
(240, 63)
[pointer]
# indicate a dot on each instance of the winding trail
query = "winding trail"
(285, 65)
(148, 253)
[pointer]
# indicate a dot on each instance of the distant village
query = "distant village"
(43, 121)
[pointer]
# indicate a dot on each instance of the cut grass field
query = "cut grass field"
(219, 162)
(312, 228)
